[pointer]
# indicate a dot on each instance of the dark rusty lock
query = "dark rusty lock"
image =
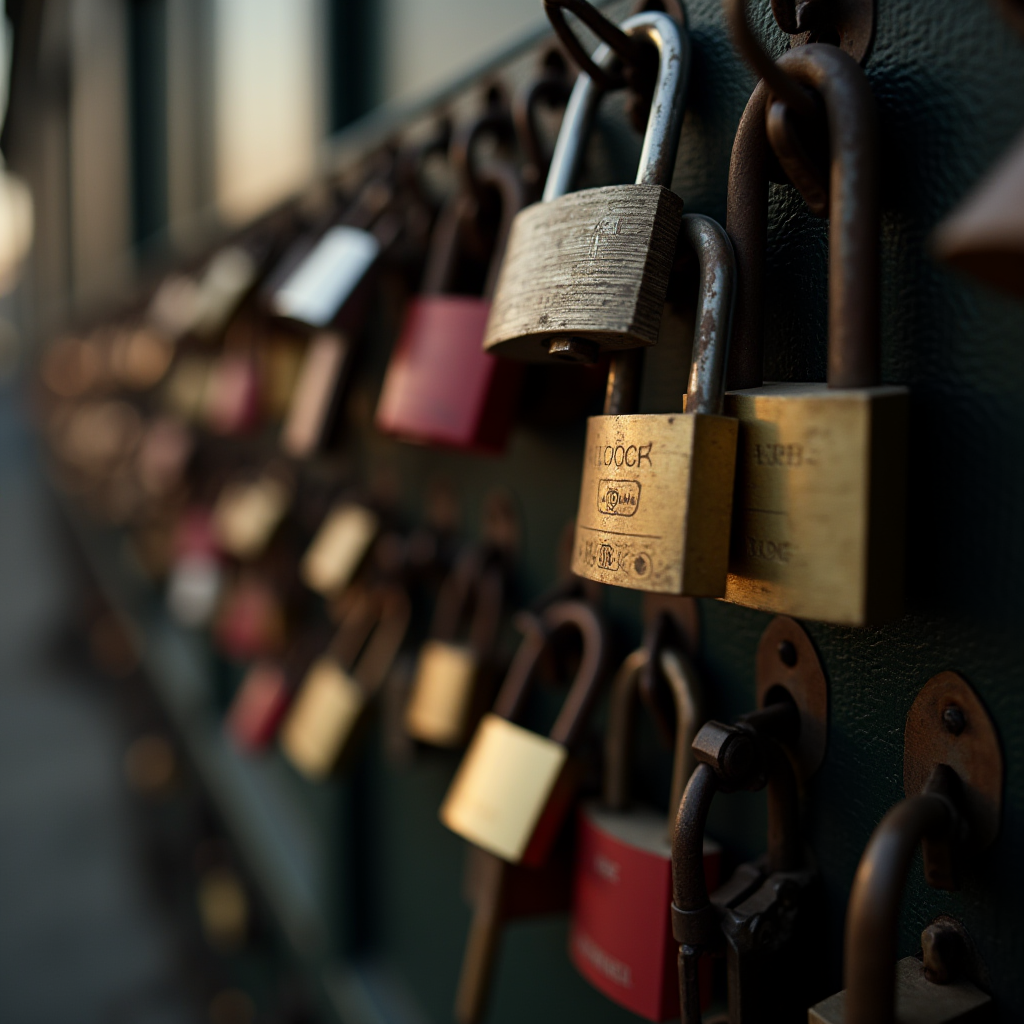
(763, 915)
(441, 387)
(818, 515)
(621, 933)
(953, 778)
(588, 271)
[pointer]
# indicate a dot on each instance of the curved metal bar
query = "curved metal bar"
(779, 83)
(685, 686)
(715, 301)
(618, 738)
(657, 158)
(872, 918)
(585, 686)
(689, 889)
(853, 275)
(625, 48)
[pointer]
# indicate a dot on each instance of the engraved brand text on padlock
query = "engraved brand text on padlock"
(818, 517)
(656, 493)
(593, 266)
(514, 787)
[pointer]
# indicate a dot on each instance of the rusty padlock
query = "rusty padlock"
(656, 494)
(588, 271)
(953, 778)
(514, 787)
(818, 515)
(621, 933)
(326, 719)
(441, 387)
(450, 672)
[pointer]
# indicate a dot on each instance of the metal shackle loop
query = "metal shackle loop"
(371, 634)
(715, 302)
(661, 140)
(626, 687)
(872, 918)
(537, 630)
(503, 177)
(471, 595)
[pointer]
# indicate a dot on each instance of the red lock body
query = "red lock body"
(441, 387)
(259, 706)
(621, 935)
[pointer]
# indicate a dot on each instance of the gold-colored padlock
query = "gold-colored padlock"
(514, 787)
(339, 547)
(446, 686)
(333, 702)
(248, 512)
(818, 516)
(656, 495)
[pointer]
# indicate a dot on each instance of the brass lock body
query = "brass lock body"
(656, 493)
(588, 271)
(818, 517)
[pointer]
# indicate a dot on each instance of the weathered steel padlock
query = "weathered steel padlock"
(514, 787)
(621, 933)
(441, 387)
(764, 915)
(339, 547)
(953, 778)
(446, 688)
(818, 515)
(588, 271)
(656, 494)
(328, 714)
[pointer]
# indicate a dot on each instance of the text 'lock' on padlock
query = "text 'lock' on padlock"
(446, 690)
(818, 515)
(621, 933)
(588, 271)
(656, 493)
(441, 387)
(514, 787)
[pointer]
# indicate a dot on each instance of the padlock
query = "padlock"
(514, 787)
(588, 271)
(250, 621)
(656, 494)
(247, 513)
(953, 778)
(441, 387)
(765, 915)
(450, 673)
(339, 548)
(818, 514)
(326, 719)
(316, 398)
(196, 579)
(621, 933)
(232, 397)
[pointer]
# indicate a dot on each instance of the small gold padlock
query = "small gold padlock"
(446, 685)
(339, 547)
(818, 516)
(332, 705)
(656, 494)
(514, 787)
(248, 512)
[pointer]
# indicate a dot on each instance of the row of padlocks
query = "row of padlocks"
(786, 498)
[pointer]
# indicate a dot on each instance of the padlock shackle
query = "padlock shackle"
(661, 140)
(472, 594)
(873, 914)
(550, 88)
(505, 179)
(371, 633)
(715, 302)
(537, 631)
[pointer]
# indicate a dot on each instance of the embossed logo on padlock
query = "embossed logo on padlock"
(618, 497)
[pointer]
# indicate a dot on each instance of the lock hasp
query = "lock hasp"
(820, 498)
(592, 264)
(655, 502)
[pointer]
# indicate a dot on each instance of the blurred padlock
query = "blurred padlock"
(621, 933)
(441, 387)
(447, 686)
(514, 786)
(342, 542)
(248, 512)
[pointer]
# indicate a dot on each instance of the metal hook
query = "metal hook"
(780, 85)
(626, 49)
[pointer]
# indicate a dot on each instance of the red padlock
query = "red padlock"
(621, 935)
(441, 388)
(259, 706)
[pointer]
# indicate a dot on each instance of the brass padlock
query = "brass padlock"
(656, 495)
(588, 271)
(446, 687)
(332, 705)
(339, 547)
(514, 787)
(247, 513)
(953, 778)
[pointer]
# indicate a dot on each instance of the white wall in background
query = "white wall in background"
(426, 43)
(268, 98)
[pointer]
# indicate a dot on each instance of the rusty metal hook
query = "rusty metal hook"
(628, 50)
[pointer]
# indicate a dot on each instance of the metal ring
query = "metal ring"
(621, 45)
